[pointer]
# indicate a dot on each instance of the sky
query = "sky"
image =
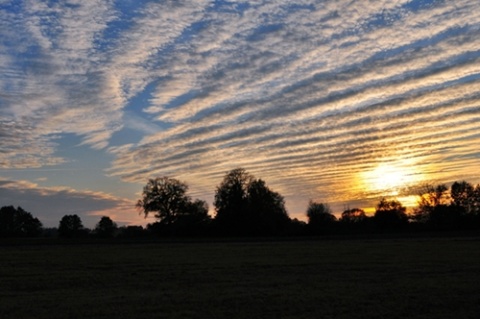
(335, 101)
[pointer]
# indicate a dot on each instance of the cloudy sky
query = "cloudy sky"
(340, 101)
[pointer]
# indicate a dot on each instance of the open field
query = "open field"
(381, 278)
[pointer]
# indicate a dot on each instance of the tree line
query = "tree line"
(246, 206)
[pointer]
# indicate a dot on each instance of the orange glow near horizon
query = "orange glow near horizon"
(409, 202)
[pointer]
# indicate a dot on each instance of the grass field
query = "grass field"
(381, 278)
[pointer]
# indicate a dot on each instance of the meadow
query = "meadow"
(362, 278)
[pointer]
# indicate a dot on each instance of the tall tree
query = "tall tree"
(231, 200)
(164, 196)
(463, 197)
(432, 199)
(266, 209)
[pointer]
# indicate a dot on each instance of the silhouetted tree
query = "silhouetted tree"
(431, 198)
(71, 226)
(320, 217)
(176, 212)
(463, 197)
(474, 218)
(445, 217)
(353, 216)
(196, 211)
(18, 223)
(465, 207)
(231, 201)
(354, 220)
(164, 196)
(194, 220)
(246, 206)
(266, 208)
(441, 209)
(390, 215)
(105, 228)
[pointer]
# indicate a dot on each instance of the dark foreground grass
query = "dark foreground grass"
(403, 278)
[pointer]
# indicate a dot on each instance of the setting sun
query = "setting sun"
(389, 178)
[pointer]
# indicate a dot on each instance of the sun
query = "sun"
(389, 178)
(385, 177)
